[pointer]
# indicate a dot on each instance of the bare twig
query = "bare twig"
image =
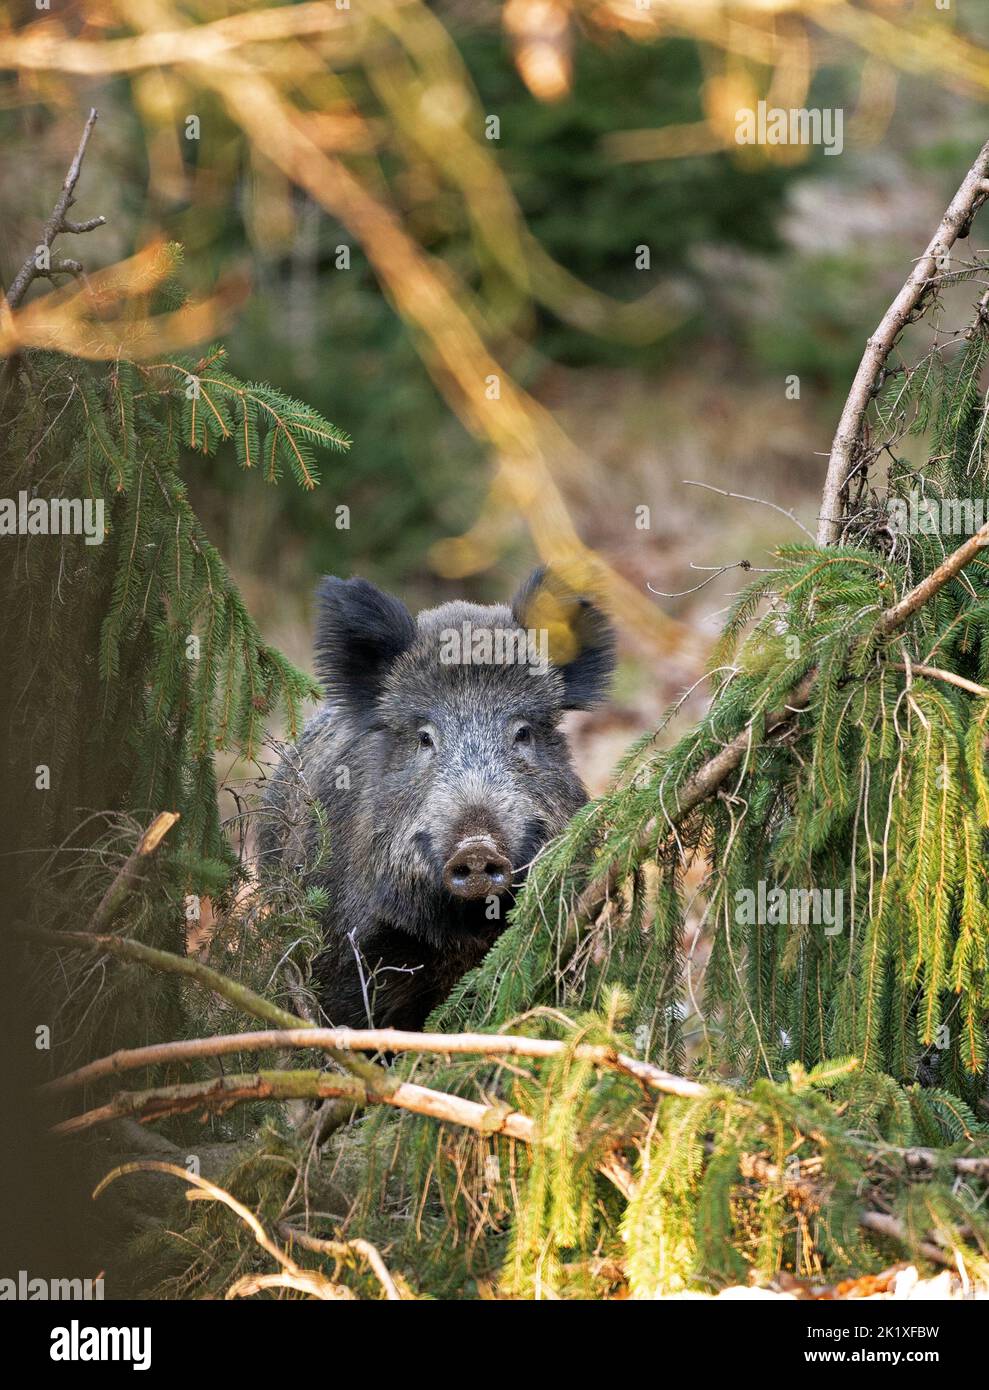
(373, 1040)
(237, 994)
(938, 673)
(904, 308)
(719, 570)
(742, 497)
(56, 224)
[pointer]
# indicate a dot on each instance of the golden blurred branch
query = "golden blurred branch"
(425, 294)
(106, 316)
(266, 64)
(46, 46)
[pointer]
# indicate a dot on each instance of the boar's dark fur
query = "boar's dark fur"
(412, 758)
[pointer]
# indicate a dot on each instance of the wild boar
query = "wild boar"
(437, 769)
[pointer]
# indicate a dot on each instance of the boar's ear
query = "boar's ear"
(581, 638)
(359, 633)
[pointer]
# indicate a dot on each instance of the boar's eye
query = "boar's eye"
(426, 739)
(523, 734)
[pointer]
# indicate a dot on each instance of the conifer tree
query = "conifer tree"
(132, 660)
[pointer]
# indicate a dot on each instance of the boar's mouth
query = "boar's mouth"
(517, 858)
(427, 908)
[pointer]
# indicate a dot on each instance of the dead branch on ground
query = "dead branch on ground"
(383, 1040)
(292, 1276)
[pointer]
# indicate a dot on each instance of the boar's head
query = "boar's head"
(451, 731)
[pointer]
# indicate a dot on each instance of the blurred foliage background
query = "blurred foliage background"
(516, 252)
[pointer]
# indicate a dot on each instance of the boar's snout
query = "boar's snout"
(477, 869)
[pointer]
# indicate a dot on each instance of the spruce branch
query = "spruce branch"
(702, 784)
(907, 306)
(711, 775)
(923, 592)
(56, 224)
(271, 428)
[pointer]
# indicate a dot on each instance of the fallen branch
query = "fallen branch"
(893, 1229)
(293, 1276)
(366, 1084)
(56, 224)
(954, 224)
(220, 1092)
(340, 1249)
(306, 1282)
(926, 1160)
(335, 1040)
